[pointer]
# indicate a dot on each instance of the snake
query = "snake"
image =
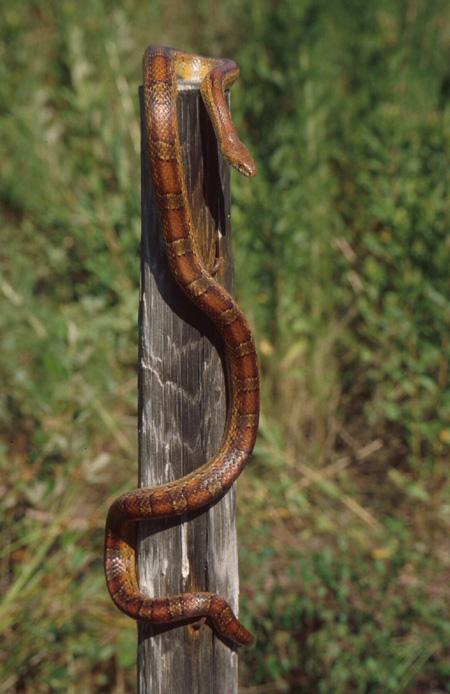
(163, 68)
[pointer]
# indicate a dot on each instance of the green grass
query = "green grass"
(342, 254)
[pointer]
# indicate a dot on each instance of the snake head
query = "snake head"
(238, 155)
(245, 166)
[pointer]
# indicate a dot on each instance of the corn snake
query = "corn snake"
(162, 67)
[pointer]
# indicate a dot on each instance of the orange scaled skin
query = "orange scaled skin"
(162, 67)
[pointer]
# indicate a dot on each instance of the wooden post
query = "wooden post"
(182, 407)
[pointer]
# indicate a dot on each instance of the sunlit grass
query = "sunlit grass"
(342, 259)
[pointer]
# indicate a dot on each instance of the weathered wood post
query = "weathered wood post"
(182, 406)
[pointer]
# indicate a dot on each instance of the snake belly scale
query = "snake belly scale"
(162, 68)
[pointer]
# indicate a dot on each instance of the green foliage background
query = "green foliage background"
(342, 265)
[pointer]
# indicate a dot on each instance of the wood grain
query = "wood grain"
(181, 419)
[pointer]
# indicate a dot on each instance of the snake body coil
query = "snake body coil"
(162, 66)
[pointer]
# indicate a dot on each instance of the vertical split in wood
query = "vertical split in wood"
(182, 409)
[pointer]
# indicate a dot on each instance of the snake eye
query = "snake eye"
(238, 165)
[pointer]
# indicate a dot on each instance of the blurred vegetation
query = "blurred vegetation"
(342, 265)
